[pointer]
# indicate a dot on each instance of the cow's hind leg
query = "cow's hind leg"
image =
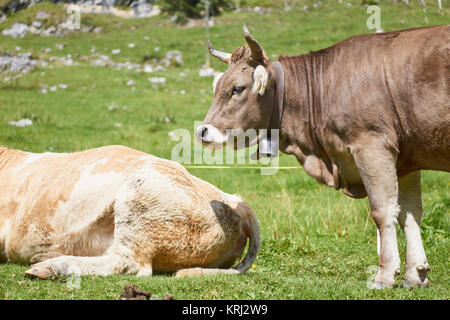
(190, 272)
(376, 165)
(68, 265)
(410, 201)
(44, 256)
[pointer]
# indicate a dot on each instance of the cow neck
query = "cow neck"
(301, 101)
(269, 147)
(277, 113)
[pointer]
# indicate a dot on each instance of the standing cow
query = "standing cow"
(365, 116)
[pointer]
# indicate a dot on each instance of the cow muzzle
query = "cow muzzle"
(210, 136)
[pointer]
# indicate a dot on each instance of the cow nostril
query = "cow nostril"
(204, 131)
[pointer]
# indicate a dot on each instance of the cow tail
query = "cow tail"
(253, 247)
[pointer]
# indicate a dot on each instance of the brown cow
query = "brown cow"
(364, 115)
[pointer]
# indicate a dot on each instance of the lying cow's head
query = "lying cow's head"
(243, 95)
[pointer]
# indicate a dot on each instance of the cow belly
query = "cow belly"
(80, 224)
(90, 238)
(342, 173)
(26, 239)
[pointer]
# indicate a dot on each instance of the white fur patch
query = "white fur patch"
(216, 79)
(231, 197)
(260, 80)
(213, 135)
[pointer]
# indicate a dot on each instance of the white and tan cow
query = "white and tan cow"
(115, 210)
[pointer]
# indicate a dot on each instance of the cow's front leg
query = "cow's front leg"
(68, 265)
(410, 201)
(376, 165)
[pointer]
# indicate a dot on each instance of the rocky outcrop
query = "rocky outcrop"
(142, 8)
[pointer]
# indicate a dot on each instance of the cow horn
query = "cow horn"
(257, 51)
(222, 56)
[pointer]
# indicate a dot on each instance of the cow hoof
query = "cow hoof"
(40, 272)
(417, 277)
(415, 283)
(381, 285)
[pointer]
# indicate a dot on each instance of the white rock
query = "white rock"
(13, 64)
(36, 24)
(141, 9)
(42, 15)
(148, 68)
(206, 72)
(18, 30)
(174, 57)
(113, 107)
(258, 10)
(157, 80)
(131, 45)
(21, 123)
(115, 51)
(131, 83)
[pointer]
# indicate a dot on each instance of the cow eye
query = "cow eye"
(237, 90)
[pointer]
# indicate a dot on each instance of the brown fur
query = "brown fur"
(364, 115)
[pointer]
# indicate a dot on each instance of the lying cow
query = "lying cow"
(365, 116)
(114, 210)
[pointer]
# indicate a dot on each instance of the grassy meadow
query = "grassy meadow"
(316, 242)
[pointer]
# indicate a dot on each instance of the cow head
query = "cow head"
(243, 95)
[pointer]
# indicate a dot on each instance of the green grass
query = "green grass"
(316, 242)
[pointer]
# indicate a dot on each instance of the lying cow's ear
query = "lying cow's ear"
(260, 80)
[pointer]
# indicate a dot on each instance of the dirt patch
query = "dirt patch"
(131, 292)
(134, 293)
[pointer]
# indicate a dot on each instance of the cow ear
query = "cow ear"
(255, 48)
(260, 80)
(216, 80)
